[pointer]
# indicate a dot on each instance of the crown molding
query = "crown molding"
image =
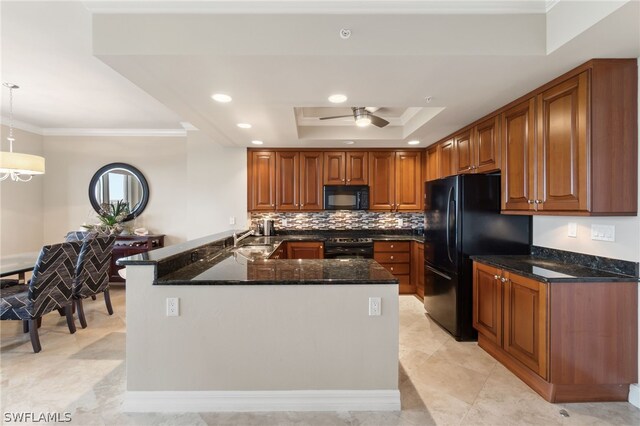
(169, 133)
(17, 124)
(357, 7)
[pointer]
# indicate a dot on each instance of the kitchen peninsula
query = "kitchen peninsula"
(255, 334)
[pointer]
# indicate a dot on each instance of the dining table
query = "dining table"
(18, 264)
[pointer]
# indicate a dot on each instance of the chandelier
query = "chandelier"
(19, 167)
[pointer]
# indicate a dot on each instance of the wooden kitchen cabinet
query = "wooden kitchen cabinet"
(433, 162)
(464, 152)
(262, 180)
(569, 341)
(280, 253)
(395, 181)
(395, 256)
(346, 168)
(447, 158)
(305, 250)
(287, 181)
(311, 195)
(565, 154)
(477, 149)
(417, 267)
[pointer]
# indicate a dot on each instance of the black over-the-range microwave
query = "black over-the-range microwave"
(346, 197)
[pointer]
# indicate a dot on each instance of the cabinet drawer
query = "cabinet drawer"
(389, 246)
(392, 257)
(398, 268)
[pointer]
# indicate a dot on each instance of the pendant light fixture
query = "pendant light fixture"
(19, 167)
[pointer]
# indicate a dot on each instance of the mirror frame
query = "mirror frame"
(128, 167)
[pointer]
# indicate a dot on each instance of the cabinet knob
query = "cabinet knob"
(529, 201)
(348, 180)
(391, 257)
(536, 201)
(391, 268)
(391, 245)
(495, 277)
(343, 180)
(503, 279)
(295, 204)
(302, 205)
(272, 205)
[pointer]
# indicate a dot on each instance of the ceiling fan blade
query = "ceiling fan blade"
(377, 121)
(336, 116)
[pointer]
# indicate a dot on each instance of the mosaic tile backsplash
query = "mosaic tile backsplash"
(341, 220)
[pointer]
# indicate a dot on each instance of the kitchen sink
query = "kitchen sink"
(254, 252)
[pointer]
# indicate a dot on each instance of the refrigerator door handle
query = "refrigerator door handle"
(435, 271)
(448, 222)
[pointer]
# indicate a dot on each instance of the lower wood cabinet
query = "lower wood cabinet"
(280, 253)
(417, 267)
(305, 250)
(569, 341)
(395, 256)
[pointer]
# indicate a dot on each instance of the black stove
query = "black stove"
(348, 248)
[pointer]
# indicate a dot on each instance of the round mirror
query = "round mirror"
(119, 182)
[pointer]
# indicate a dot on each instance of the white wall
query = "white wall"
(215, 186)
(72, 161)
(21, 203)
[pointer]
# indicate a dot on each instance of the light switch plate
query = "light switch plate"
(572, 230)
(603, 232)
(232, 220)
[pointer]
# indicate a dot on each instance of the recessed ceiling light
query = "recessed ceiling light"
(413, 142)
(221, 97)
(257, 142)
(244, 125)
(349, 142)
(337, 98)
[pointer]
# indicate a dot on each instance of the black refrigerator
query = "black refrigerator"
(462, 219)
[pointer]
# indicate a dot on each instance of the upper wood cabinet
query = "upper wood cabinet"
(287, 180)
(447, 158)
(346, 168)
(432, 162)
(477, 149)
(395, 181)
(311, 180)
(572, 148)
(262, 179)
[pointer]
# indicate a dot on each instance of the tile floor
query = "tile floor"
(441, 381)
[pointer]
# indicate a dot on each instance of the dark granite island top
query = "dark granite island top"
(551, 270)
(214, 261)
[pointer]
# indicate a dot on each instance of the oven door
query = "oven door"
(348, 252)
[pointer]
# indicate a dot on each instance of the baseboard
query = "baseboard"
(210, 401)
(634, 394)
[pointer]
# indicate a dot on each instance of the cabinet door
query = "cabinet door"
(408, 180)
(417, 267)
(447, 159)
(334, 168)
(464, 153)
(518, 150)
(287, 180)
(486, 145)
(357, 168)
(562, 146)
(433, 163)
(305, 250)
(382, 180)
(311, 197)
(263, 181)
(487, 302)
(525, 322)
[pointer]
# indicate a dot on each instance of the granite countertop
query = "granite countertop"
(550, 270)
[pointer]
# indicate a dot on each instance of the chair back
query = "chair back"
(92, 272)
(51, 285)
(79, 235)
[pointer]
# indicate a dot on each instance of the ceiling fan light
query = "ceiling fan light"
(363, 121)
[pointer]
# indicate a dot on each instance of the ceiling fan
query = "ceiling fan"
(363, 117)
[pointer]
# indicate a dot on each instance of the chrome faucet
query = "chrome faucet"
(237, 239)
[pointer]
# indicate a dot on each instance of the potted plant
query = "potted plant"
(111, 217)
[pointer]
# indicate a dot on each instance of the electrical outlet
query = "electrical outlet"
(603, 232)
(400, 223)
(284, 223)
(572, 230)
(232, 220)
(375, 306)
(173, 306)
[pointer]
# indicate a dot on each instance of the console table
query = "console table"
(128, 245)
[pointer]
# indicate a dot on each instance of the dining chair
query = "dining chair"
(50, 288)
(92, 272)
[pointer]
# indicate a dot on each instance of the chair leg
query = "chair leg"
(35, 339)
(80, 310)
(61, 312)
(107, 301)
(70, 321)
(39, 322)
(25, 326)
(93, 297)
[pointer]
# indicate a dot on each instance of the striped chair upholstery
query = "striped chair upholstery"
(79, 235)
(92, 273)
